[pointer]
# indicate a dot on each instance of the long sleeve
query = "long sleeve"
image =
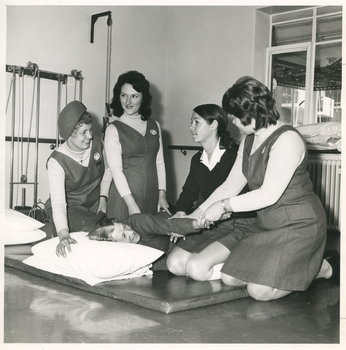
(160, 164)
(232, 186)
(56, 177)
(114, 158)
(285, 156)
(189, 194)
(159, 224)
(107, 178)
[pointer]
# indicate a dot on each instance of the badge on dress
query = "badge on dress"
(97, 158)
(153, 132)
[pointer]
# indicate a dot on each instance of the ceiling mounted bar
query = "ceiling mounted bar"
(43, 74)
(94, 19)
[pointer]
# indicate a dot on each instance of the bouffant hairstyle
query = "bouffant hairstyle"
(249, 99)
(140, 84)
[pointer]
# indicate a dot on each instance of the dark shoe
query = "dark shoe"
(333, 258)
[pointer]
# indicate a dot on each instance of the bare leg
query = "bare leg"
(200, 266)
(176, 261)
(256, 291)
(325, 270)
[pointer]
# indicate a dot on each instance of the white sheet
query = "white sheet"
(70, 272)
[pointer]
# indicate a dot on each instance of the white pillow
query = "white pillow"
(23, 237)
(17, 221)
(97, 260)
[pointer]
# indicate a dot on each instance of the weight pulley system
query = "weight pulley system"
(25, 126)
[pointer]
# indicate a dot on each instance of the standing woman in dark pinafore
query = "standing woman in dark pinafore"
(133, 145)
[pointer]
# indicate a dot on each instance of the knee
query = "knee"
(231, 281)
(196, 270)
(175, 265)
(260, 293)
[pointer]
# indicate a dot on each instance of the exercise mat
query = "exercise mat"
(162, 291)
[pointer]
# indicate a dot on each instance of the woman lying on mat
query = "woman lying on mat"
(155, 231)
(79, 178)
(209, 169)
(283, 251)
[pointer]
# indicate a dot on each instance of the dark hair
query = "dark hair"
(249, 99)
(140, 84)
(211, 112)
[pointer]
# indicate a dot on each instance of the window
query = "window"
(304, 64)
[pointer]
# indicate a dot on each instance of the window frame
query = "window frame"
(309, 47)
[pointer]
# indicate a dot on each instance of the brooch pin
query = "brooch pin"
(97, 158)
(153, 132)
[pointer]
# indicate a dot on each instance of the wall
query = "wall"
(190, 54)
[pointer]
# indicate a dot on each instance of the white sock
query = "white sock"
(217, 272)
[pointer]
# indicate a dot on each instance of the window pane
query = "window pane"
(294, 15)
(327, 82)
(290, 33)
(328, 9)
(288, 86)
(329, 28)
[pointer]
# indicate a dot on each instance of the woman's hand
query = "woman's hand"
(195, 214)
(162, 203)
(132, 206)
(65, 241)
(134, 209)
(102, 204)
(175, 236)
(217, 212)
(178, 214)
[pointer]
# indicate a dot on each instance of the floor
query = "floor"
(37, 310)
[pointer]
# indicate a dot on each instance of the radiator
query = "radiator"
(325, 174)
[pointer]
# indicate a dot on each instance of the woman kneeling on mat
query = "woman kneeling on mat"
(283, 250)
(79, 177)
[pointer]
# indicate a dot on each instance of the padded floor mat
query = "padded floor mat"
(161, 292)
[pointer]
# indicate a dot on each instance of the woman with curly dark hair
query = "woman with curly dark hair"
(133, 144)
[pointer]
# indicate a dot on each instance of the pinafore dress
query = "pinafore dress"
(82, 187)
(139, 155)
(284, 248)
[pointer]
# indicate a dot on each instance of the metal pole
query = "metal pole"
(58, 112)
(37, 134)
(108, 65)
(12, 135)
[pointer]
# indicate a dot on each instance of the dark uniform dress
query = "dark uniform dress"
(202, 181)
(284, 248)
(139, 166)
(82, 187)
(154, 230)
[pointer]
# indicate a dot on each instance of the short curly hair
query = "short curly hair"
(249, 99)
(140, 84)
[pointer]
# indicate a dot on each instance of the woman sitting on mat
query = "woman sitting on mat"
(79, 177)
(283, 251)
(209, 169)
